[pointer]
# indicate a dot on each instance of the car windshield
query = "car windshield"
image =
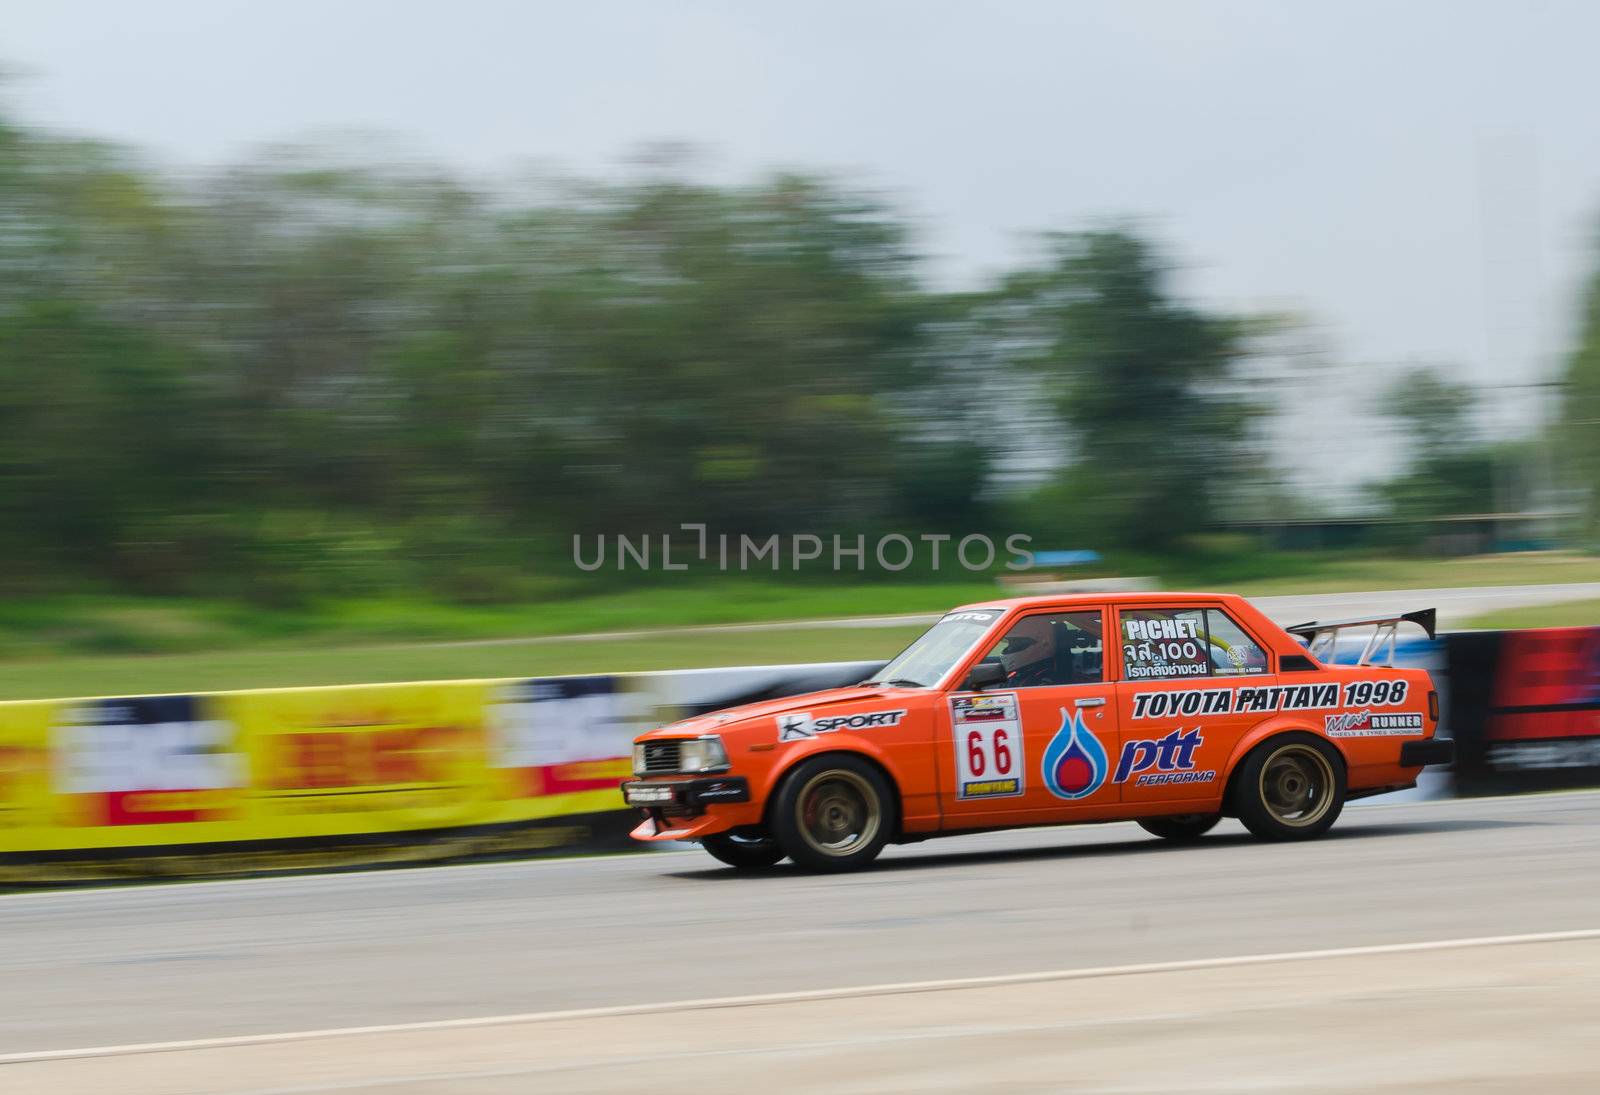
(938, 649)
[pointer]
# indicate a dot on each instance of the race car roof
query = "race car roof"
(1047, 600)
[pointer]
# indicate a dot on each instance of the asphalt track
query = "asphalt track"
(222, 960)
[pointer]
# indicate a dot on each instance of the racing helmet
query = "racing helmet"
(1030, 642)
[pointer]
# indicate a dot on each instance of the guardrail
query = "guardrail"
(225, 783)
(1525, 709)
(234, 782)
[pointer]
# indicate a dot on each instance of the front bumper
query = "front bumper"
(675, 809)
(685, 796)
(1414, 754)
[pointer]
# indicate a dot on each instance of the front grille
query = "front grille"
(662, 756)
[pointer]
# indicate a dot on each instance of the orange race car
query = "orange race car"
(1173, 710)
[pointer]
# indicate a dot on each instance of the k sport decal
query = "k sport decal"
(800, 724)
(1075, 763)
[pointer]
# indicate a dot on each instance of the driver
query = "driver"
(1029, 655)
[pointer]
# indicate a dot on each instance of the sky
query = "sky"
(1419, 181)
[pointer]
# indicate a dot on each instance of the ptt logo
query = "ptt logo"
(1075, 763)
(1162, 760)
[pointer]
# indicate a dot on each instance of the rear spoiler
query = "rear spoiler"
(1322, 636)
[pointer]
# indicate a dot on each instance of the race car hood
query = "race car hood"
(811, 701)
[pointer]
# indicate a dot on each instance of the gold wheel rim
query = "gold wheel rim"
(838, 813)
(1297, 785)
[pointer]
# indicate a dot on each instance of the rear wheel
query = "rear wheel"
(750, 850)
(833, 813)
(1290, 788)
(1180, 828)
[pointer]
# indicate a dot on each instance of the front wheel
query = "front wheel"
(747, 851)
(833, 813)
(1180, 828)
(1290, 788)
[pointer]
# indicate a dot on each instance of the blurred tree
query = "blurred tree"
(1449, 468)
(1580, 416)
(379, 363)
(94, 477)
(1147, 389)
(330, 370)
(722, 355)
(1437, 413)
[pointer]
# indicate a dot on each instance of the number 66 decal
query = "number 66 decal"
(988, 741)
(999, 745)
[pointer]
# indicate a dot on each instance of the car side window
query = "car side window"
(1052, 649)
(1233, 653)
(1172, 643)
(1164, 643)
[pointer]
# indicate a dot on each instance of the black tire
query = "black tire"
(1291, 787)
(749, 851)
(834, 813)
(1180, 828)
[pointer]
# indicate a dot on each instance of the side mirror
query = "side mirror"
(984, 675)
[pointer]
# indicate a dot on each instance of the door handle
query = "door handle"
(1092, 701)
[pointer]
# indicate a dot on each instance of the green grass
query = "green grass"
(267, 668)
(99, 646)
(122, 625)
(1566, 614)
(87, 625)
(1353, 573)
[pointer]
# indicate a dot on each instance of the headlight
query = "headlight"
(703, 755)
(672, 756)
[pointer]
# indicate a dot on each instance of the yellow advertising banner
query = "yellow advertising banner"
(25, 793)
(237, 768)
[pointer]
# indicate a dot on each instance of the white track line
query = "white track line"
(768, 999)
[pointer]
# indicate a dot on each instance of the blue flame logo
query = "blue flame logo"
(1074, 763)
